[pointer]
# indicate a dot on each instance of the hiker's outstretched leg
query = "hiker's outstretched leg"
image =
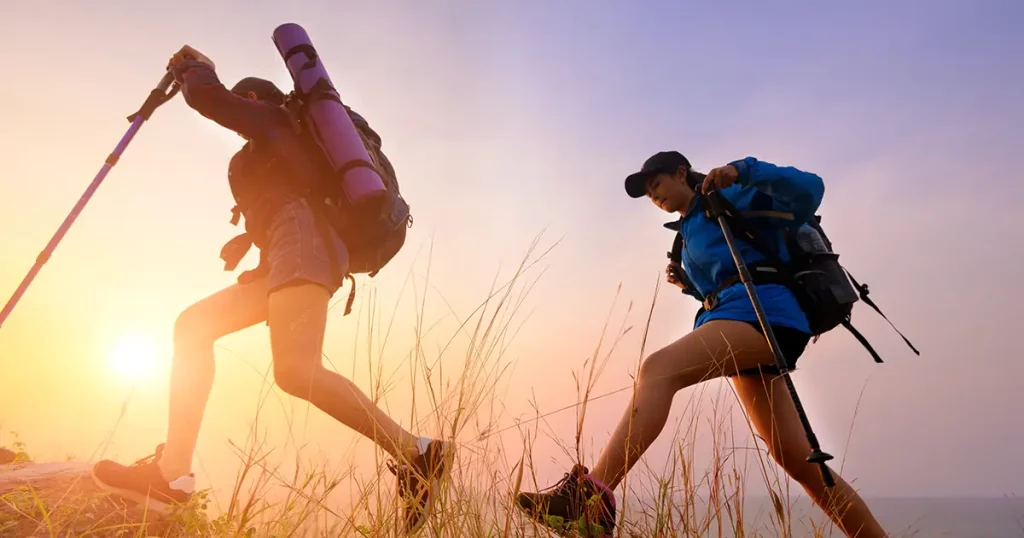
(774, 416)
(196, 331)
(298, 317)
(715, 349)
(165, 478)
(712, 350)
(306, 259)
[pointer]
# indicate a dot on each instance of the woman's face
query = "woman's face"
(669, 191)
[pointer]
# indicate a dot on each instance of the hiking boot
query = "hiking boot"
(582, 502)
(419, 482)
(143, 483)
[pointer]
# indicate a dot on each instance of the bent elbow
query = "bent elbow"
(816, 189)
(808, 202)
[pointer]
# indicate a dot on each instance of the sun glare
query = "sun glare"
(134, 357)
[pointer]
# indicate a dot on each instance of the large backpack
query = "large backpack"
(825, 290)
(373, 238)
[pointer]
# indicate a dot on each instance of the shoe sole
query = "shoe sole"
(151, 504)
(432, 490)
(428, 510)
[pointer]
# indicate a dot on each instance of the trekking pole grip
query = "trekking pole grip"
(164, 91)
(716, 206)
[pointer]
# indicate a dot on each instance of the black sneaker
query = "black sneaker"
(419, 482)
(142, 482)
(582, 502)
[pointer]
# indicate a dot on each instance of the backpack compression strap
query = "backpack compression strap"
(860, 338)
(862, 290)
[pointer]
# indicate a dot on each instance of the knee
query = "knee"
(296, 380)
(657, 370)
(191, 329)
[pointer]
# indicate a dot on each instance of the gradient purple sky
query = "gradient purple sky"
(910, 111)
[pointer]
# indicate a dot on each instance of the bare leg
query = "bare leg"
(717, 348)
(298, 317)
(773, 414)
(195, 332)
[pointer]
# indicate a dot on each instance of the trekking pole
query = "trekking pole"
(717, 208)
(164, 91)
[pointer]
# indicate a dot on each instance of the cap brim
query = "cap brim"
(636, 184)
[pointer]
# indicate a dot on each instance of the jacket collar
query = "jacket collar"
(677, 224)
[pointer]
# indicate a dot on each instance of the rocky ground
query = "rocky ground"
(60, 499)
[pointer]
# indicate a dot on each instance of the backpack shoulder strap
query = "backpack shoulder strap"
(676, 255)
(740, 228)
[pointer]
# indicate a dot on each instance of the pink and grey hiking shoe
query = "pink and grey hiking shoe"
(419, 482)
(143, 483)
(578, 502)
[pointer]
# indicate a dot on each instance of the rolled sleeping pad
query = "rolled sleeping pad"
(332, 128)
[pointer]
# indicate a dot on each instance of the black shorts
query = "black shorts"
(792, 343)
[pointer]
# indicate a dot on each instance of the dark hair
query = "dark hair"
(265, 90)
(694, 179)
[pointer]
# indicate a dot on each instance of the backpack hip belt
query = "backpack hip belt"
(760, 272)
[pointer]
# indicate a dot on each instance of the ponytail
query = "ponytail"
(694, 179)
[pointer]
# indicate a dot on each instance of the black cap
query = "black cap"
(264, 89)
(663, 161)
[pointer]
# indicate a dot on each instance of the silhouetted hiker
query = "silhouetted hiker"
(726, 340)
(302, 266)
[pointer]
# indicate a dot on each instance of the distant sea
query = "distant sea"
(934, 517)
(951, 517)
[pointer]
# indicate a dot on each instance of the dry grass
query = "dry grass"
(462, 384)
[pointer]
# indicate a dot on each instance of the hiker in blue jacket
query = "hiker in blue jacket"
(302, 266)
(726, 340)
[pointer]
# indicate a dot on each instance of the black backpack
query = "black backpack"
(825, 290)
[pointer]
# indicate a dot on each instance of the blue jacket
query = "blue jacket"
(765, 193)
(273, 166)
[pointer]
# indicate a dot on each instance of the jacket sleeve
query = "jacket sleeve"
(204, 92)
(792, 190)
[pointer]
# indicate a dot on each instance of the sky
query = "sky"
(513, 120)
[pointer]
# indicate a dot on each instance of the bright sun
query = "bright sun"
(134, 357)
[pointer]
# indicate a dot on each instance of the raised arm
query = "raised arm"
(204, 92)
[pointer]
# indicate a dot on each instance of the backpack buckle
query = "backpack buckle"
(234, 250)
(710, 302)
